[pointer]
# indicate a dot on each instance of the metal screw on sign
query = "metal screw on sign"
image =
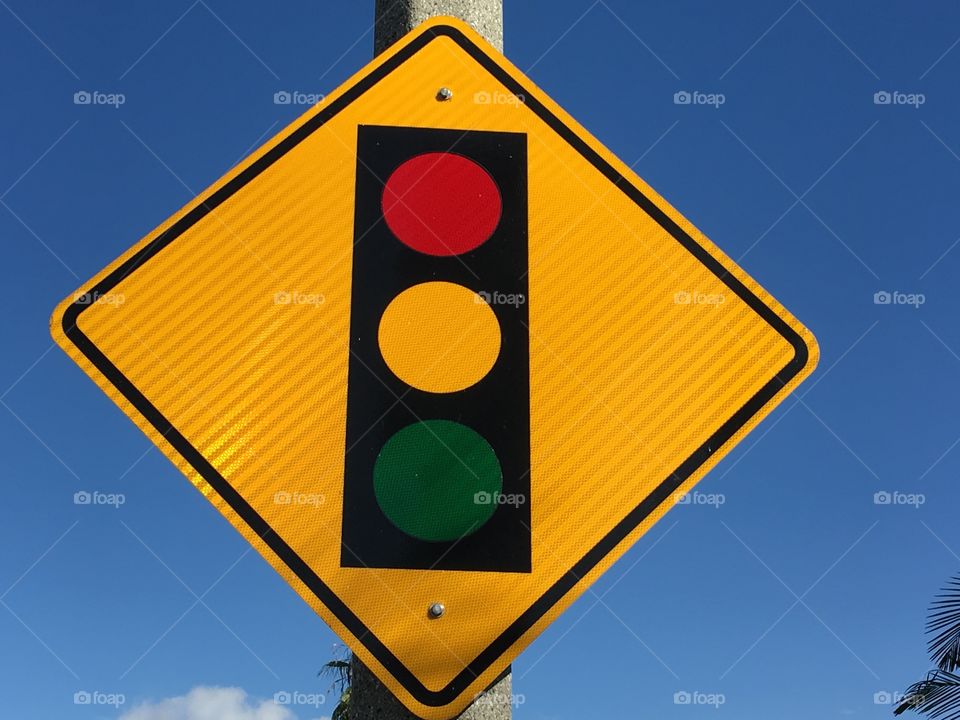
(436, 610)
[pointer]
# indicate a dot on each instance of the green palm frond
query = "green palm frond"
(342, 674)
(937, 696)
(342, 711)
(944, 619)
(339, 669)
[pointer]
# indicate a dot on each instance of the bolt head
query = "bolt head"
(444, 94)
(436, 610)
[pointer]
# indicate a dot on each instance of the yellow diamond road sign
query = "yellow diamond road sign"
(439, 356)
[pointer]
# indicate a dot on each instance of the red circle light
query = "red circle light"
(441, 204)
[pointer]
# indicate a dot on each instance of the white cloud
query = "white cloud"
(210, 703)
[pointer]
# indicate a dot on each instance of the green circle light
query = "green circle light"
(437, 480)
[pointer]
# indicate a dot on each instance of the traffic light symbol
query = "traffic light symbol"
(437, 470)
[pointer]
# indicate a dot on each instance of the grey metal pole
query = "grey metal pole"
(394, 19)
(369, 699)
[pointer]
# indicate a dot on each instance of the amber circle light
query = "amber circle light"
(439, 337)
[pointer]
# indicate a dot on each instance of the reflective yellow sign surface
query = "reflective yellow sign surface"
(621, 357)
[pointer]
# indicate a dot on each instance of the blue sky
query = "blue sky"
(802, 594)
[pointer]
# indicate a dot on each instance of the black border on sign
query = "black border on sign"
(445, 696)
